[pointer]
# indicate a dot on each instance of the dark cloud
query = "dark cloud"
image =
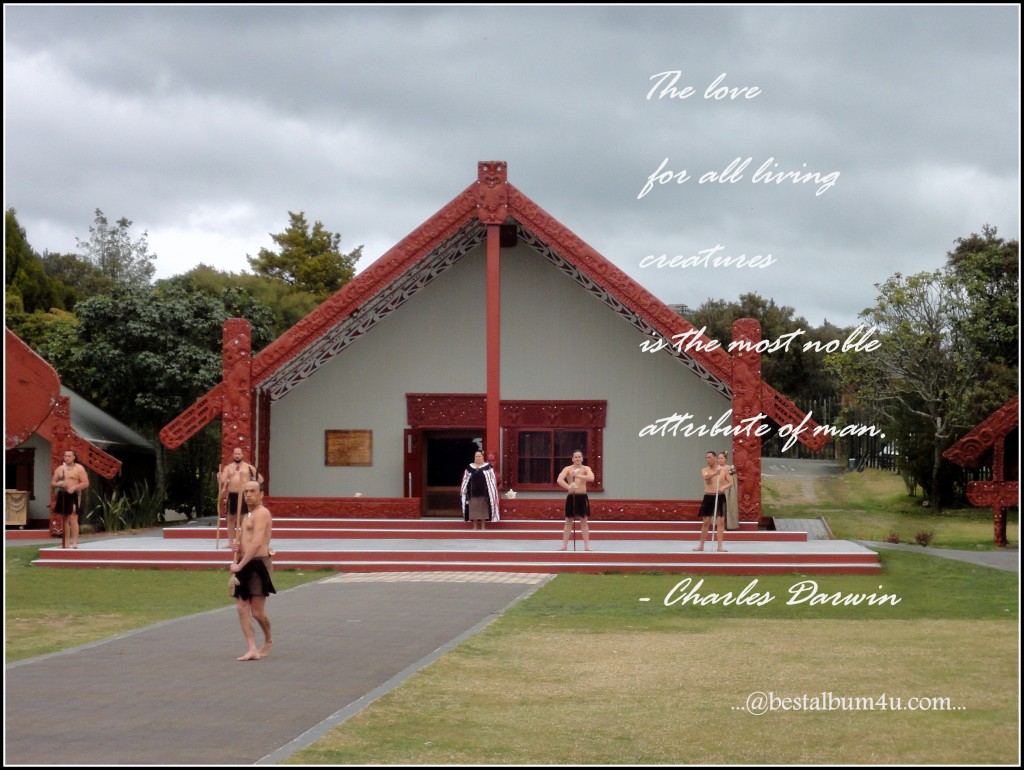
(205, 126)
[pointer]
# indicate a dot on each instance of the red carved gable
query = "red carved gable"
(969, 451)
(454, 230)
(34, 405)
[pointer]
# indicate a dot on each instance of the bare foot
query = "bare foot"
(699, 548)
(721, 550)
(588, 548)
(562, 548)
(251, 655)
(265, 649)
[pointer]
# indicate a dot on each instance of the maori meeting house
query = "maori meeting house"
(491, 326)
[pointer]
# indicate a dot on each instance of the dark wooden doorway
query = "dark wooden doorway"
(445, 457)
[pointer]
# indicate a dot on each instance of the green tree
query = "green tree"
(794, 372)
(240, 291)
(984, 274)
(50, 334)
(24, 275)
(919, 376)
(81, 278)
(120, 259)
(146, 354)
(310, 260)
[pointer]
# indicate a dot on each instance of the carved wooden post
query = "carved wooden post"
(236, 407)
(746, 403)
(492, 210)
(999, 518)
(60, 442)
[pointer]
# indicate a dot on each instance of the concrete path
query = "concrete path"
(173, 693)
(1007, 559)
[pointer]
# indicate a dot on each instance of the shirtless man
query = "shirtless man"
(68, 480)
(716, 481)
(254, 570)
(573, 479)
(233, 479)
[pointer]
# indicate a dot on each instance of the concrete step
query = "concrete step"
(391, 554)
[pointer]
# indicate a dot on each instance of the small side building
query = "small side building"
(43, 419)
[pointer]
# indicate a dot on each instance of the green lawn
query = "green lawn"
(45, 611)
(584, 672)
(874, 504)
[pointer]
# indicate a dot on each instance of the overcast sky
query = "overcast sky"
(205, 126)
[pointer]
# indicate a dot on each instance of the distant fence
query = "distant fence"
(858, 452)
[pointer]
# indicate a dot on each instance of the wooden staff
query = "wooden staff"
(220, 500)
(714, 519)
(238, 521)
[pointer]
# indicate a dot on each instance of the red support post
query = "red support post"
(236, 407)
(746, 403)
(492, 211)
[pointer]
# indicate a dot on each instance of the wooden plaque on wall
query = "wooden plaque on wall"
(348, 447)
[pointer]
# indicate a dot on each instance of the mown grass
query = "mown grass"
(874, 504)
(47, 610)
(625, 698)
(585, 673)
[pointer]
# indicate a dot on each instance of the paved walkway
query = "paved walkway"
(173, 693)
(1007, 559)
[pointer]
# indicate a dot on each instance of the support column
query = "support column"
(492, 211)
(999, 476)
(492, 451)
(746, 403)
(236, 428)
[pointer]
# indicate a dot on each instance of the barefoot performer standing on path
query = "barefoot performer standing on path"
(254, 570)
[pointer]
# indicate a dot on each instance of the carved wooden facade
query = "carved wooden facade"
(34, 405)
(469, 220)
(996, 437)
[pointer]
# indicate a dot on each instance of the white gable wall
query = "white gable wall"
(434, 343)
(558, 342)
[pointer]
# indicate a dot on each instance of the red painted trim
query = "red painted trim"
(468, 410)
(445, 410)
(969, 451)
(746, 403)
(492, 200)
(643, 304)
(355, 294)
(344, 507)
(236, 407)
(32, 390)
(534, 509)
(602, 509)
(493, 447)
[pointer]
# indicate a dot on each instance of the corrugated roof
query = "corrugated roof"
(101, 429)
